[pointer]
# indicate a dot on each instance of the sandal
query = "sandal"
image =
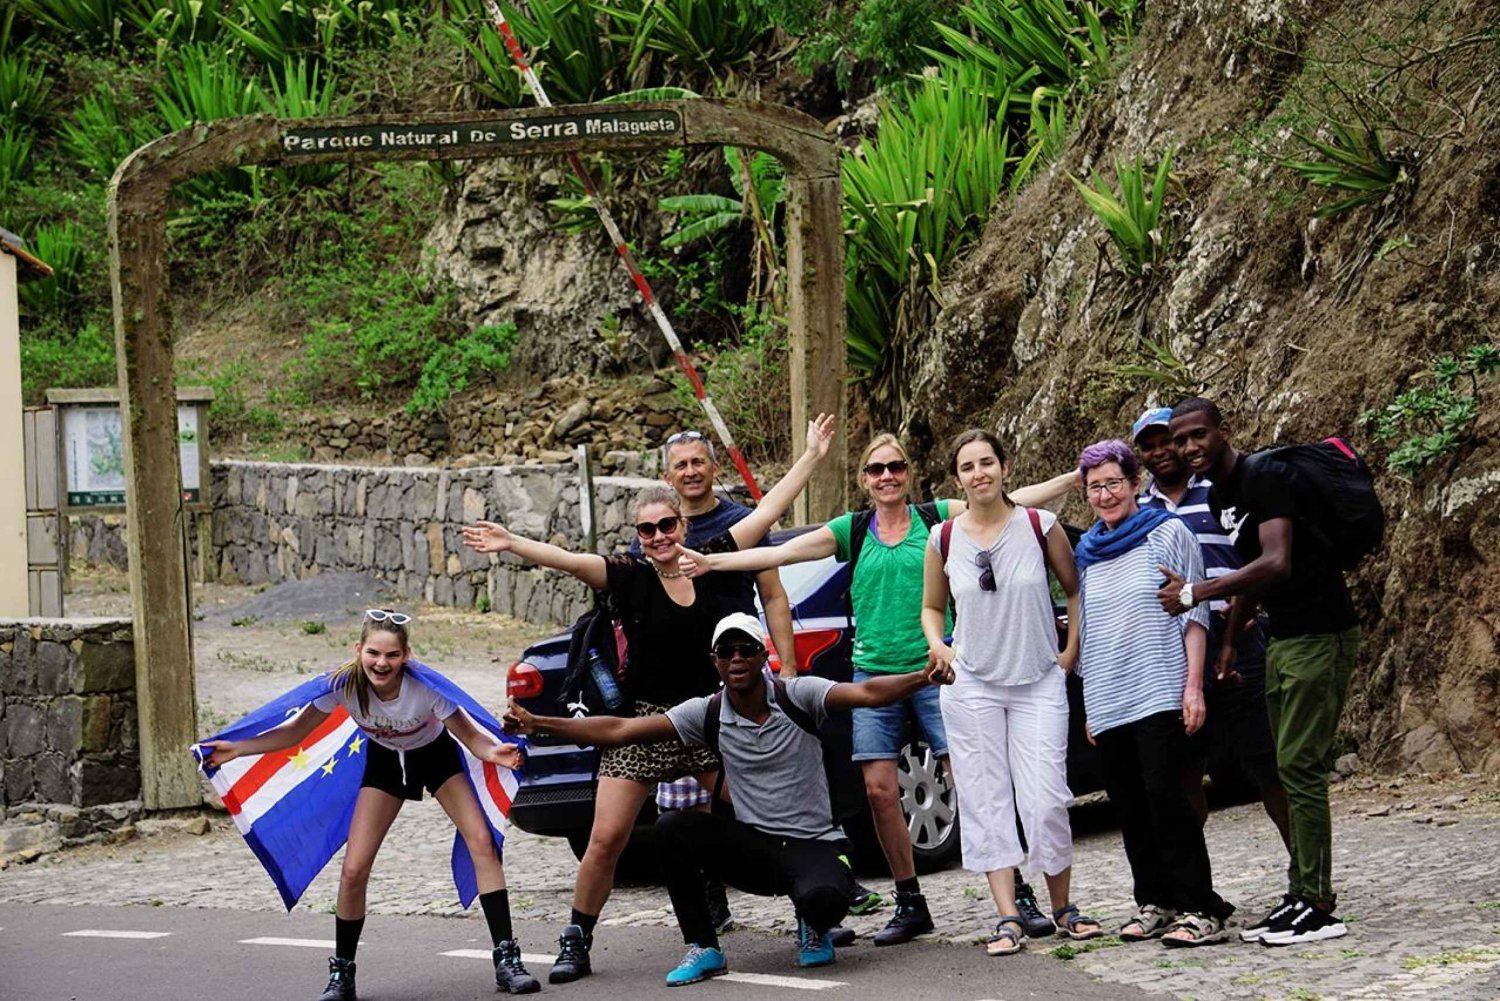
(1068, 919)
(1149, 921)
(1199, 929)
(1006, 940)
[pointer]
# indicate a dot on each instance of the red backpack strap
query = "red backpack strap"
(1036, 528)
(945, 539)
(1342, 446)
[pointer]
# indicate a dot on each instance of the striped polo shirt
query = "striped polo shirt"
(1219, 555)
(1133, 662)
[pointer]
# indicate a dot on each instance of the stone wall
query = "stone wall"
(67, 712)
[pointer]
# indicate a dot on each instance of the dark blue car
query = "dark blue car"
(557, 796)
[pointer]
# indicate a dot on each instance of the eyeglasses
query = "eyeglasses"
(896, 466)
(986, 572)
(726, 651)
(386, 615)
(648, 529)
(1110, 486)
(682, 436)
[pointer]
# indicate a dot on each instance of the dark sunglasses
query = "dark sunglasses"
(726, 651)
(986, 572)
(897, 466)
(647, 529)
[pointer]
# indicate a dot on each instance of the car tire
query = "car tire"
(930, 806)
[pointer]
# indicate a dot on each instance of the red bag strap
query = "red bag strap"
(1036, 528)
(945, 539)
(1342, 446)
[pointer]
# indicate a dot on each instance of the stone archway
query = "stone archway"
(143, 329)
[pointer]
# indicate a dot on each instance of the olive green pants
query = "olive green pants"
(1306, 680)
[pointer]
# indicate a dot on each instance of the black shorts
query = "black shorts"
(428, 766)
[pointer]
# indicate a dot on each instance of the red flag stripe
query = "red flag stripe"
(269, 764)
(497, 791)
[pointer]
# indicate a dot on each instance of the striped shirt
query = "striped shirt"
(1133, 661)
(1219, 555)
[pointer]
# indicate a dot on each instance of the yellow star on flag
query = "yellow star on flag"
(328, 765)
(355, 745)
(299, 758)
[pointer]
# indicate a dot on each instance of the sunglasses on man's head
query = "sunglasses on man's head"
(386, 615)
(726, 651)
(648, 529)
(896, 466)
(682, 436)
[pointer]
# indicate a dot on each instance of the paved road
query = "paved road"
(150, 954)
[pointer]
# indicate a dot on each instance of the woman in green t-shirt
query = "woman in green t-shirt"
(885, 591)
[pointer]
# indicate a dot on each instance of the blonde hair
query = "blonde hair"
(883, 440)
(349, 680)
(656, 495)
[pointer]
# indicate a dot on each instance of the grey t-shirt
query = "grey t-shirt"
(775, 770)
(1007, 636)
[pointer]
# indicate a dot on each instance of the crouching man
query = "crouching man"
(783, 840)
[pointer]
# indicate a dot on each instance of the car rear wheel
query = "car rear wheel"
(930, 806)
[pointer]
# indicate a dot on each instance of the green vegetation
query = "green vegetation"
(1073, 950)
(1131, 215)
(1434, 420)
(314, 628)
(1353, 162)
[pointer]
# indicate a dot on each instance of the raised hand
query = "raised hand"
(692, 563)
(487, 537)
(1170, 592)
(222, 751)
(820, 435)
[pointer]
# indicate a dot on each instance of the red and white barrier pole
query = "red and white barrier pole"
(513, 46)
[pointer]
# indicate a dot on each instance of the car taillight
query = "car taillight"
(812, 643)
(524, 681)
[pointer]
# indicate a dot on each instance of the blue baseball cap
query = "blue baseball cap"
(1153, 418)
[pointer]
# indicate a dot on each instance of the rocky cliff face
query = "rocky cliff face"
(1294, 324)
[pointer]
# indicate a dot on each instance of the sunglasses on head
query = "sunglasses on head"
(896, 466)
(682, 436)
(648, 529)
(746, 650)
(386, 615)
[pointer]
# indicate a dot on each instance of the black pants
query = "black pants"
(697, 846)
(1143, 766)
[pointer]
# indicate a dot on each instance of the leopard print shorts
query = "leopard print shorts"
(651, 763)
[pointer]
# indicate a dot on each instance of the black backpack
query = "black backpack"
(846, 786)
(1348, 516)
(594, 630)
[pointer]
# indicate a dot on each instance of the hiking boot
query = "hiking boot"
(699, 964)
(841, 937)
(510, 976)
(910, 920)
(572, 960)
(1309, 924)
(340, 981)
(718, 907)
(1037, 924)
(1278, 919)
(812, 949)
(864, 900)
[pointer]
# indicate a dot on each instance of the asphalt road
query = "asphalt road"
(88, 953)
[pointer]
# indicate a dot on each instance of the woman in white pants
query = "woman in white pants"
(1007, 712)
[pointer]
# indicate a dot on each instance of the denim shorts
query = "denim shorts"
(879, 734)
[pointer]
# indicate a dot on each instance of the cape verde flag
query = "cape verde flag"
(294, 806)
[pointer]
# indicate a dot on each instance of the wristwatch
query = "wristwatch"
(1186, 595)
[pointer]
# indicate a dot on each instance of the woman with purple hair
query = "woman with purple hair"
(1142, 674)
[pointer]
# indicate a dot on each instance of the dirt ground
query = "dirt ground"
(254, 643)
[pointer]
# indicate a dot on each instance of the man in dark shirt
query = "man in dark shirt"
(1265, 508)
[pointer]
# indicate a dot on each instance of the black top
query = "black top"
(737, 588)
(1314, 599)
(669, 643)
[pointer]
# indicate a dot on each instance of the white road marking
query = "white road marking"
(537, 958)
(304, 943)
(771, 980)
(107, 933)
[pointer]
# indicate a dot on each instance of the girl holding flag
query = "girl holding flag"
(405, 714)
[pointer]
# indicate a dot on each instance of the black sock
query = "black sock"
(496, 907)
(584, 921)
(709, 941)
(908, 885)
(346, 936)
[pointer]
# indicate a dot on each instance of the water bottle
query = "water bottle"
(604, 680)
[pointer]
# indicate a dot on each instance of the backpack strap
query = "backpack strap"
(1036, 528)
(794, 712)
(1342, 446)
(945, 539)
(929, 513)
(859, 527)
(711, 721)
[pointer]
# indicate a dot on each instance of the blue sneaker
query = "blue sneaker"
(698, 964)
(813, 949)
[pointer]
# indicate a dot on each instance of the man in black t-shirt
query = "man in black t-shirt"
(1265, 509)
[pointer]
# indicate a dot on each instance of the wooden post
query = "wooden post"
(166, 696)
(815, 304)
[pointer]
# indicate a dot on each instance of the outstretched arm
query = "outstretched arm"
(884, 691)
(490, 537)
(481, 744)
(1273, 564)
(1048, 491)
(812, 545)
(600, 731)
(293, 731)
(748, 530)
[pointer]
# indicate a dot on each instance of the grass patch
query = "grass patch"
(1450, 958)
(1074, 950)
(244, 620)
(312, 628)
(249, 662)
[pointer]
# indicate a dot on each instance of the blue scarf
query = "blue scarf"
(1099, 543)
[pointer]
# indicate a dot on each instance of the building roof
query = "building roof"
(29, 268)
